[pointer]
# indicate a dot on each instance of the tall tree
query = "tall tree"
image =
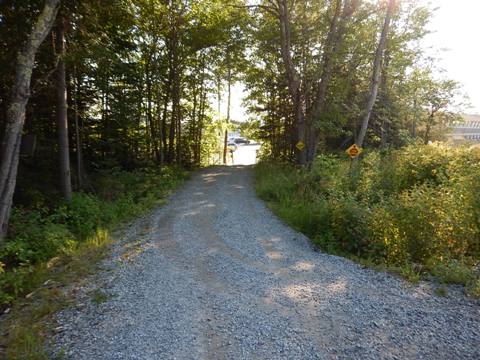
(333, 44)
(293, 78)
(377, 71)
(16, 110)
(229, 102)
(62, 118)
(307, 109)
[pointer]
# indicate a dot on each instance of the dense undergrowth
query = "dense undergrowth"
(416, 209)
(39, 234)
(51, 248)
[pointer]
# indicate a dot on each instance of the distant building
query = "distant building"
(466, 131)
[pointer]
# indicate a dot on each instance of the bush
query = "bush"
(349, 224)
(37, 235)
(34, 237)
(84, 214)
(415, 206)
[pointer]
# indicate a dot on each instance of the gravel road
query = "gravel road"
(214, 275)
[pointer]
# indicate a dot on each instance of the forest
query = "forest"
(106, 105)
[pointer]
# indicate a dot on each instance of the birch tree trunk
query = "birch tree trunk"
(10, 149)
(62, 119)
(377, 69)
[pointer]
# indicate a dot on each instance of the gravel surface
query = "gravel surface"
(214, 275)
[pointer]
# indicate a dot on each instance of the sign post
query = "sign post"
(232, 148)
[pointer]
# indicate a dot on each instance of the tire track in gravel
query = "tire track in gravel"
(302, 317)
(216, 243)
(214, 275)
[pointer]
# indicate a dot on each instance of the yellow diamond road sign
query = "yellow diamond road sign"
(353, 151)
(300, 145)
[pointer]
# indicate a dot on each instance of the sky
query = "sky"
(238, 111)
(454, 41)
(456, 32)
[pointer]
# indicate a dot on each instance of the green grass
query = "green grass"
(453, 272)
(474, 288)
(29, 324)
(411, 273)
(441, 290)
(99, 296)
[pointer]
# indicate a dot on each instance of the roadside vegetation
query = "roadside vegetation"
(103, 103)
(415, 210)
(52, 247)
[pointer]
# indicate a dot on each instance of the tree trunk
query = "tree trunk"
(163, 126)
(200, 126)
(229, 99)
(219, 93)
(428, 127)
(384, 98)
(415, 118)
(62, 119)
(179, 133)
(160, 130)
(333, 45)
(292, 79)
(174, 115)
(201, 115)
(175, 96)
(151, 122)
(78, 134)
(193, 127)
(377, 67)
(16, 110)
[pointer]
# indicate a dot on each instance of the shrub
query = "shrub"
(386, 241)
(419, 164)
(414, 206)
(84, 214)
(349, 224)
(34, 237)
(39, 234)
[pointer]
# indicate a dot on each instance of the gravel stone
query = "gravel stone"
(214, 275)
